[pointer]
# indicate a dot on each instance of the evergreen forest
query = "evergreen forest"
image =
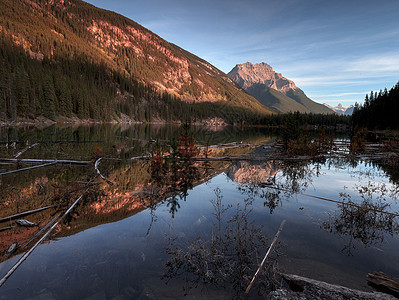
(379, 110)
(30, 88)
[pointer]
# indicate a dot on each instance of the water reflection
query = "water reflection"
(273, 181)
(139, 185)
(247, 172)
(229, 258)
(368, 222)
(170, 188)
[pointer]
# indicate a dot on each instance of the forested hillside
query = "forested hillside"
(69, 58)
(379, 111)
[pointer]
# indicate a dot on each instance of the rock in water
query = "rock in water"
(12, 248)
(25, 223)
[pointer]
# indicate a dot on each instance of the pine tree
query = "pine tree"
(49, 96)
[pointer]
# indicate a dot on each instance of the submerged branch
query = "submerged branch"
(267, 253)
(24, 150)
(26, 213)
(29, 168)
(50, 142)
(40, 232)
(25, 256)
(35, 161)
(96, 164)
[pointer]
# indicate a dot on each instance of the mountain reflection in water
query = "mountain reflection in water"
(194, 224)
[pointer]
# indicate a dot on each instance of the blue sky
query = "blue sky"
(335, 51)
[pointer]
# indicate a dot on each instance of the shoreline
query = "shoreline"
(42, 122)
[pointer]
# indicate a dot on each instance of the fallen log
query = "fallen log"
(40, 232)
(43, 161)
(24, 150)
(13, 247)
(267, 253)
(97, 163)
(329, 291)
(25, 223)
(6, 228)
(145, 157)
(226, 146)
(29, 168)
(52, 142)
(26, 213)
(25, 256)
(383, 282)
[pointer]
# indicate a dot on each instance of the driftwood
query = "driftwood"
(26, 213)
(12, 248)
(228, 158)
(51, 142)
(24, 150)
(97, 163)
(144, 157)
(267, 253)
(29, 168)
(44, 161)
(329, 291)
(226, 146)
(383, 282)
(25, 256)
(40, 232)
(25, 223)
(6, 228)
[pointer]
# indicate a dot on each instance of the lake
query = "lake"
(155, 228)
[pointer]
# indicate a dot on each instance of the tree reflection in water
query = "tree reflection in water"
(298, 175)
(283, 180)
(174, 175)
(364, 223)
(229, 258)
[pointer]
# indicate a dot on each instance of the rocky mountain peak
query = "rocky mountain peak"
(255, 67)
(339, 109)
(248, 74)
(274, 90)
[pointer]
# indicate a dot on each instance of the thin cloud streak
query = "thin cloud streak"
(341, 101)
(339, 94)
(376, 64)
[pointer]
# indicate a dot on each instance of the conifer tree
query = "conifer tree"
(49, 96)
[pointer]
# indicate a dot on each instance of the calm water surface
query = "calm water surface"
(128, 240)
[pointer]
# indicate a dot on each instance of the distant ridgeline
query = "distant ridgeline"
(379, 111)
(69, 58)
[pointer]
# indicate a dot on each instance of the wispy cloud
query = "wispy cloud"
(335, 102)
(375, 64)
(339, 94)
(336, 80)
(348, 71)
(341, 101)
